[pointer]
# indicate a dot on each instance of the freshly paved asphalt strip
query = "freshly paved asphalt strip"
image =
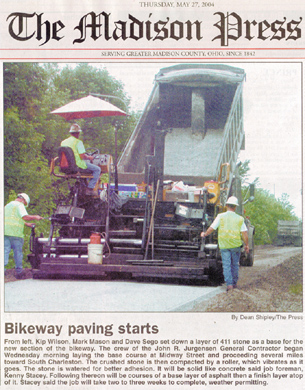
(34, 295)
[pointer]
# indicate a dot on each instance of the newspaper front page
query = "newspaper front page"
(135, 334)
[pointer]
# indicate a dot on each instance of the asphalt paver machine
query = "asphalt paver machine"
(174, 176)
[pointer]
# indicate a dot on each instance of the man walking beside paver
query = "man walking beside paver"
(15, 217)
(232, 231)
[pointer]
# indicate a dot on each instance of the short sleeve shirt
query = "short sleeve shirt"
(13, 222)
(80, 147)
(216, 223)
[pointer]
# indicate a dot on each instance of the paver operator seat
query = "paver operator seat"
(67, 162)
(67, 165)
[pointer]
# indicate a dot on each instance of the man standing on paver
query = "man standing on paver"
(15, 217)
(232, 231)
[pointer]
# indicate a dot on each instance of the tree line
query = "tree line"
(266, 210)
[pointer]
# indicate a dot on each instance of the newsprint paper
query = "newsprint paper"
(126, 334)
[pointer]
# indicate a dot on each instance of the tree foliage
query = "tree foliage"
(25, 167)
(266, 210)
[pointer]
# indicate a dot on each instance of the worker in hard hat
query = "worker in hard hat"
(82, 159)
(232, 230)
(15, 217)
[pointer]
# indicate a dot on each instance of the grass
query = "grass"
(296, 289)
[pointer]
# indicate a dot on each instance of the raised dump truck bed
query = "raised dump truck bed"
(194, 115)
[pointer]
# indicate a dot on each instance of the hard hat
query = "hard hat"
(25, 197)
(75, 128)
(232, 201)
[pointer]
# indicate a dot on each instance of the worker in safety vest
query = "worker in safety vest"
(82, 159)
(232, 231)
(15, 217)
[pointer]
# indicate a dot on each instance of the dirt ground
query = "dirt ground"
(265, 287)
(10, 275)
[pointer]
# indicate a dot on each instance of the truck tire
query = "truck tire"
(250, 258)
(216, 274)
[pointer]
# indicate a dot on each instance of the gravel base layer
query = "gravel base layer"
(278, 289)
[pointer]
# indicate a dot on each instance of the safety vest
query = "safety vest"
(72, 142)
(229, 235)
(13, 222)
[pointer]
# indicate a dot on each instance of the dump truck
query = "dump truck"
(174, 176)
(289, 233)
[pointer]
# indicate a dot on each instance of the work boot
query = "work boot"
(20, 275)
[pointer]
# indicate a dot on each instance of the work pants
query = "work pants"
(96, 171)
(230, 265)
(15, 244)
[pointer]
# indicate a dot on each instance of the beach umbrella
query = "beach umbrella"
(88, 107)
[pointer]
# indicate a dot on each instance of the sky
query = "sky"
(272, 119)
